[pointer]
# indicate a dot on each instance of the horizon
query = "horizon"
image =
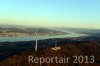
(51, 13)
(28, 26)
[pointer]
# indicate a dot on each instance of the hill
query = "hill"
(13, 32)
(87, 48)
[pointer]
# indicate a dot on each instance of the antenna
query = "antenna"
(56, 47)
(55, 43)
(36, 41)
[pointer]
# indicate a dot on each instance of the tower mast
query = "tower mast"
(36, 41)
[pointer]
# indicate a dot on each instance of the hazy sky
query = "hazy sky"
(56, 13)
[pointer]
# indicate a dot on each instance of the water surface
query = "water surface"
(30, 38)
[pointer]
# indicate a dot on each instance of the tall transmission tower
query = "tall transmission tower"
(36, 40)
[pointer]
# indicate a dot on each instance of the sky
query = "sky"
(51, 13)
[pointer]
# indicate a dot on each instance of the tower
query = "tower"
(56, 47)
(36, 42)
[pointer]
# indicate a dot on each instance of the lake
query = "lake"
(30, 38)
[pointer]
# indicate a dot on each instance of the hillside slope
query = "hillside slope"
(68, 50)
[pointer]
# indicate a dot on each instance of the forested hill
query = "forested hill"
(68, 50)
